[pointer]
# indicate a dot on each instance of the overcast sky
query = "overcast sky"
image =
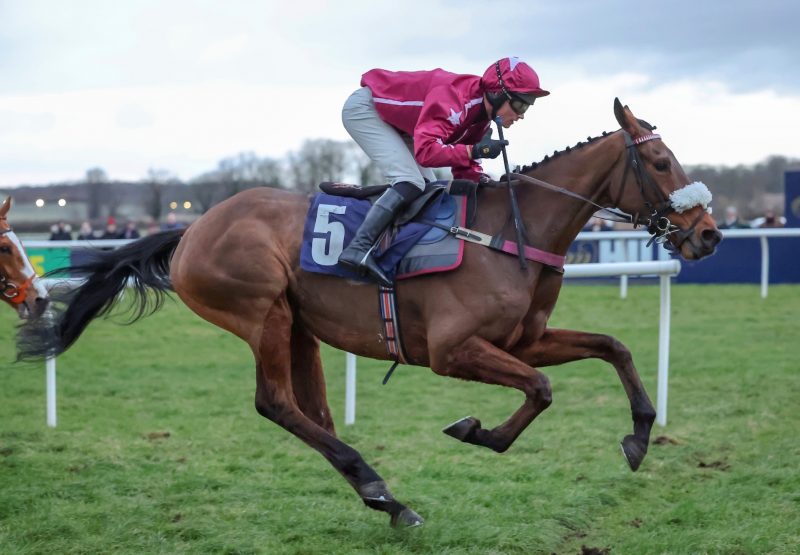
(178, 85)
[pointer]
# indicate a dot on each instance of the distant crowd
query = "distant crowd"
(732, 220)
(62, 231)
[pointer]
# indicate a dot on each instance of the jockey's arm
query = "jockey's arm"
(437, 123)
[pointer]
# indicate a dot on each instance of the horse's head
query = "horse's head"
(19, 285)
(655, 189)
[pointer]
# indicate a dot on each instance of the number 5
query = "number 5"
(326, 251)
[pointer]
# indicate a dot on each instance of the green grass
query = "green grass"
(159, 449)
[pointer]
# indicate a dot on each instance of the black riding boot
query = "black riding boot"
(358, 254)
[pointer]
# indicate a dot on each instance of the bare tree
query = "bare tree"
(205, 195)
(318, 160)
(365, 170)
(155, 181)
(234, 174)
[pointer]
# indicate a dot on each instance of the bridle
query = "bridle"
(654, 216)
(10, 291)
(656, 222)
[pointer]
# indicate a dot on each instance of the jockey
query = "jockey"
(410, 121)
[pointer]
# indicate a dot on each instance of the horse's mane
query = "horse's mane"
(580, 144)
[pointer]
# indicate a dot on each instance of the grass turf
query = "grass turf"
(159, 449)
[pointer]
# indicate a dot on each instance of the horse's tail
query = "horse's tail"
(143, 265)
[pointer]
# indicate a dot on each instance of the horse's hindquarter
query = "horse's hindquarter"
(236, 259)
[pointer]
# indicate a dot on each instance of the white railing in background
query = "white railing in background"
(762, 233)
(622, 236)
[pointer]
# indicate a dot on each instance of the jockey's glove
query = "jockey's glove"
(487, 147)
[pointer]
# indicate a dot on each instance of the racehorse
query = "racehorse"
(20, 287)
(238, 267)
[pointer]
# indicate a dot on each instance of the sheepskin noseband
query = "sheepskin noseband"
(689, 196)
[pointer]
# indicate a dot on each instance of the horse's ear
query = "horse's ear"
(625, 117)
(5, 207)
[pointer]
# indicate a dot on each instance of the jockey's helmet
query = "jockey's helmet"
(513, 80)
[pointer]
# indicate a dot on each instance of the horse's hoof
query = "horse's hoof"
(376, 495)
(634, 451)
(463, 429)
(406, 519)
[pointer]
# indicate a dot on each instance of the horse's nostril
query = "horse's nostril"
(711, 236)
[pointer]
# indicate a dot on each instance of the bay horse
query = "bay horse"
(20, 287)
(238, 266)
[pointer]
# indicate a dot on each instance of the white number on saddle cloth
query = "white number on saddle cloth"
(326, 250)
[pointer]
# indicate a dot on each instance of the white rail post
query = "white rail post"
(623, 279)
(764, 267)
(350, 390)
(663, 351)
(50, 379)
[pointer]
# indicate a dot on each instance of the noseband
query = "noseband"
(9, 290)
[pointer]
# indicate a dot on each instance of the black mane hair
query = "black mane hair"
(558, 153)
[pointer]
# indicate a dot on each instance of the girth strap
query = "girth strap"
(391, 328)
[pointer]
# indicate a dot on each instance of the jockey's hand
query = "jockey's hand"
(487, 147)
(484, 178)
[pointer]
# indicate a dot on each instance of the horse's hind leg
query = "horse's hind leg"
(275, 400)
(560, 346)
(308, 379)
(479, 360)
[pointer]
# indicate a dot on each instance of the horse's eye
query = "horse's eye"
(5, 250)
(662, 165)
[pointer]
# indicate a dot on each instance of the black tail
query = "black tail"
(143, 265)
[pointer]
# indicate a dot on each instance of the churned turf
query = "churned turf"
(159, 449)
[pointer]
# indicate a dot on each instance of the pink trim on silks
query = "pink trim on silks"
(531, 253)
(644, 138)
(452, 266)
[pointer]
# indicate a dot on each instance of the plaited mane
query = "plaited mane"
(558, 153)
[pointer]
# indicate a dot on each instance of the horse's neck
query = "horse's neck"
(554, 220)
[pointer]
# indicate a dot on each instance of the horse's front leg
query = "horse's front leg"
(558, 346)
(478, 360)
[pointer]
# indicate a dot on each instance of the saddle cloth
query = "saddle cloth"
(412, 249)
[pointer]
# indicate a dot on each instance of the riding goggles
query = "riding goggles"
(519, 106)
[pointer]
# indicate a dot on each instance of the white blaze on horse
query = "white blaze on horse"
(20, 287)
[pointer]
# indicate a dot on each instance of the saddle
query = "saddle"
(417, 243)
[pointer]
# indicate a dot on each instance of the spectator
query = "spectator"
(732, 220)
(153, 227)
(130, 231)
(171, 222)
(770, 220)
(61, 232)
(86, 232)
(111, 231)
